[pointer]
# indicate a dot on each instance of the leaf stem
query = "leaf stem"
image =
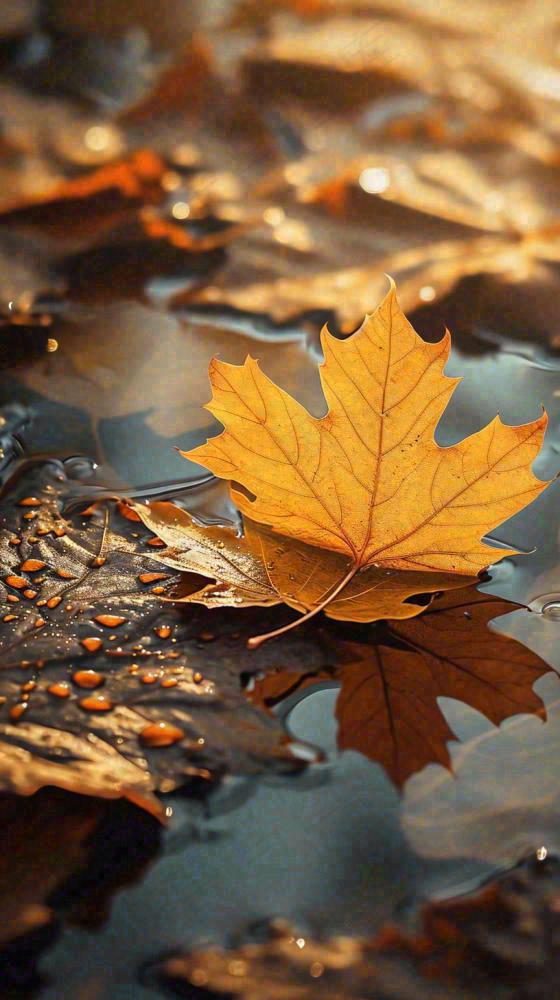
(255, 641)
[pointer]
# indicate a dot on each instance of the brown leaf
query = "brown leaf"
(103, 688)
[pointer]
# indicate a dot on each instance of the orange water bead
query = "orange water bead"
(18, 710)
(164, 631)
(32, 566)
(30, 502)
(161, 734)
(17, 582)
(60, 689)
(92, 644)
(152, 577)
(96, 703)
(110, 621)
(88, 678)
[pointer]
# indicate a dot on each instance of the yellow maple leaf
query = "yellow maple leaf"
(366, 489)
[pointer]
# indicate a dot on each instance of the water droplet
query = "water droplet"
(150, 677)
(53, 602)
(52, 345)
(98, 561)
(152, 577)
(164, 631)
(88, 678)
(92, 644)
(169, 682)
(206, 636)
(158, 590)
(30, 594)
(18, 710)
(96, 702)
(316, 969)
(39, 623)
(541, 853)
(110, 621)
(161, 734)
(467, 614)
(30, 502)
(197, 677)
(65, 574)
(15, 541)
(10, 618)
(300, 942)
(17, 582)
(133, 668)
(12, 599)
(30, 515)
(156, 543)
(32, 566)
(29, 685)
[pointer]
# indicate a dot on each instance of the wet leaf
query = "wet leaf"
(104, 688)
(500, 941)
(263, 568)
(387, 708)
(367, 482)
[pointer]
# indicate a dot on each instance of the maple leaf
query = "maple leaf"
(367, 481)
(222, 569)
(387, 707)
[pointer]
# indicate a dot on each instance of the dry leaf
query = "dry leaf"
(387, 707)
(263, 568)
(368, 481)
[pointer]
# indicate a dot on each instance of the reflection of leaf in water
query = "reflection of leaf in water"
(500, 941)
(502, 800)
(387, 708)
(104, 689)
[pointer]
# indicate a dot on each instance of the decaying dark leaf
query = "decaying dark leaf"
(387, 707)
(500, 942)
(105, 689)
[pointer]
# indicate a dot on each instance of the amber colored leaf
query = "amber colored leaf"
(263, 568)
(368, 480)
(387, 707)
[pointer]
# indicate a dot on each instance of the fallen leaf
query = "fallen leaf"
(387, 708)
(367, 481)
(263, 568)
(104, 689)
(499, 941)
(90, 204)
